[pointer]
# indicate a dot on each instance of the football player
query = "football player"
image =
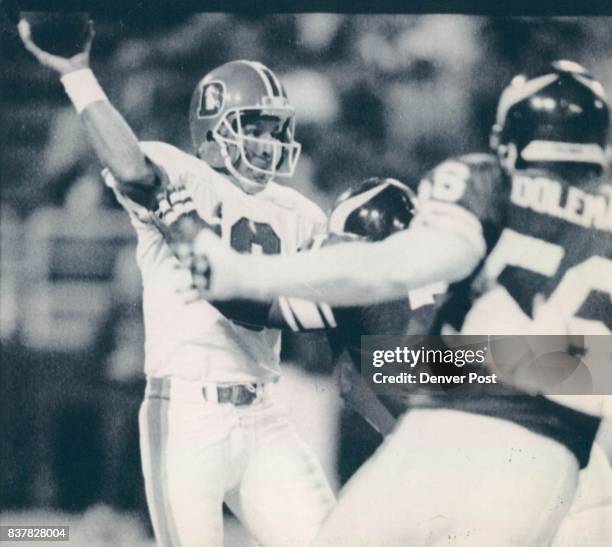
(372, 211)
(375, 210)
(529, 221)
(209, 431)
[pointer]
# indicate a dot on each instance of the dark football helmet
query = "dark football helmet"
(374, 209)
(221, 103)
(557, 115)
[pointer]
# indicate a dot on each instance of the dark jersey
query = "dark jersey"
(543, 234)
(557, 241)
(540, 234)
(396, 318)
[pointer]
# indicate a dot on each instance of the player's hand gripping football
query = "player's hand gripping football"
(61, 65)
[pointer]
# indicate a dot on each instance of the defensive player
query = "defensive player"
(209, 431)
(532, 220)
(374, 210)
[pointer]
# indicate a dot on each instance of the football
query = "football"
(62, 34)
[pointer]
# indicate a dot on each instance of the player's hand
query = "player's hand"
(61, 65)
(216, 269)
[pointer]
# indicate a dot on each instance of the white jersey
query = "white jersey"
(195, 341)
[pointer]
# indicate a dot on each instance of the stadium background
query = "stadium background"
(375, 94)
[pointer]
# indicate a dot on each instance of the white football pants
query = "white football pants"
(445, 477)
(198, 454)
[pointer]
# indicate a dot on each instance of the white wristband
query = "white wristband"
(82, 88)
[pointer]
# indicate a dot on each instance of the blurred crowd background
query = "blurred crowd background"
(384, 95)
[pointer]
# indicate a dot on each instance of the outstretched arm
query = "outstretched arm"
(344, 275)
(117, 148)
(111, 137)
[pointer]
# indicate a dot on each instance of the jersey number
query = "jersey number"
(528, 257)
(247, 236)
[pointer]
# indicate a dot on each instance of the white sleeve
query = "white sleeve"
(174, 162)
(183, 169)
(167, 160)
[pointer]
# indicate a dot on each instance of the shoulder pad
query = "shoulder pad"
(290, 198)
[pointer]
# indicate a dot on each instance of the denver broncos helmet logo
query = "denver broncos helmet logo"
(212, 97)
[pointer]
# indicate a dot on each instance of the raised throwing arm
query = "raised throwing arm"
(111, 137)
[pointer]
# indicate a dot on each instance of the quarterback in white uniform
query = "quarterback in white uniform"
(209, 431)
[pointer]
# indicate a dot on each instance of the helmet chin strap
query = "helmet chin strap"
(247, 185)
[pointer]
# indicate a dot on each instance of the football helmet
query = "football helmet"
(220, 104)
(557, 115)
(374, 209)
